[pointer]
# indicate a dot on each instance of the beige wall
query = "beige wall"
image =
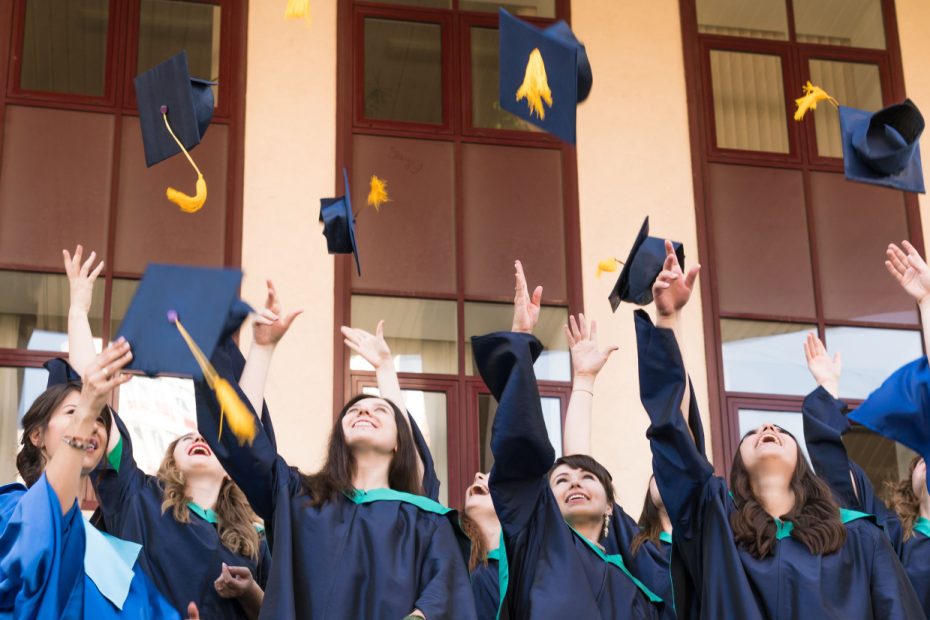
(289, 162)
(633, 160)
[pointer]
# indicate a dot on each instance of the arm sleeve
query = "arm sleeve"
(430, 478)
(893, 596)
(445, 591)
(519, 440)
(119, 480)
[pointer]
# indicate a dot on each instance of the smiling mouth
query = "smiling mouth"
(477, 489)
(575, 498)
(199, 449)
(769, 438)
(363, 424)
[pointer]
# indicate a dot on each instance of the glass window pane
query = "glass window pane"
(791, 421)
(34, 311)
(856, 23)
(19, 387)
(853, 224)
(120, 295)
(65, 46)
(156, 411)
(409, 245)
(56, 169)
(508, 189)
(759, 19)
(882, 459)
(486, 110)
(525, 8)
(749, 101)
(428, 4)
(871, 355)
(420, 332)
(403, 71)
(168, 26)
(554, 364)
(759, 213)
(855, 84)
(487, 409)
(765, 357)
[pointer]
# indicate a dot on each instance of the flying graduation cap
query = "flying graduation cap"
(641, 269)
(339, 223)
(174, 113)
(544, 74)
(174, 323)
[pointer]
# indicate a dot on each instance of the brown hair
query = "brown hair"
(902, 500)
(235, 519)
(588, 464)
(815, 516)
(650, 523)
(479, 550)
(30, 461)
(335, 477)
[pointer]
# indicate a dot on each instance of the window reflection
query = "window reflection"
(882, 459)
(156, 411)
(871, 355)
(857, 85)
(487, 409)
(855, 23)
(765, 357)
(760, 19)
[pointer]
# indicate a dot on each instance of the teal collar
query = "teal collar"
(108, 562)
(665, 537)
(495, 554)
(783, 528)
(204, 513)
(378, 495)
(922, 526)
(617, 560)
(503, 574)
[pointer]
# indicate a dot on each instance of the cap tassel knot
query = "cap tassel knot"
(812, 94)
(377, 193)
(609, 265)
(535, 88)
(297, 9)
(188, 204)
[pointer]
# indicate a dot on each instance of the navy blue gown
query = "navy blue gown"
(379, 554)
(916, 559)
(553, 571)
(864, 579)
(486, 586)
(43, 571)
(183, 559)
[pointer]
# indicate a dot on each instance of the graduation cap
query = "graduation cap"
(339, 224)
(641, 269)
(174, 113)
(882, 148)
(900, 407)
(544, 74)
(176, 320)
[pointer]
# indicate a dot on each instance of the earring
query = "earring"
(606, 525)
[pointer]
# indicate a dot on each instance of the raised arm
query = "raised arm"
(587, 362)
(81, 278)
(121, 480)
(910, 270)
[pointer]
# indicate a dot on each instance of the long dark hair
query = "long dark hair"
(815, 516)
(30, 461)
(588, 464)
(650, 523)
(479, 550)
(335, 477)
(902, 500)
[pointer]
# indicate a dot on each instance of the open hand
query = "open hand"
(673, 288)
(525, 308)
(104, 374)
(81, 277)
(269, 325)
(372, 347)
(233, 582)
(825, 370)
(587, 358)
(909, 269)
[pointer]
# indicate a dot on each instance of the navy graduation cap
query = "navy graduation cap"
(339, 223)
(882, 147)
(544, 74)
(205, 299)
(642, 267)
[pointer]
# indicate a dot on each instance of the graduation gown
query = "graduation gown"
(916, 559)
(863, 579)
(486, 586)
(183, 559)
(42, 565)
(553, 571)
(379, 554)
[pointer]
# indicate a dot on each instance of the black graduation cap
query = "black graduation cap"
(59, 372)
(188, 102)
(642, 267)
(882, 148)
(339, 224)
(206, 300)
(544, 74)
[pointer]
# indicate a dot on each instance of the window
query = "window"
(791, 246)
(420, 79)
(72, 169)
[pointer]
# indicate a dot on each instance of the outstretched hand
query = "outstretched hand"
(81, 277)
(909, 269)
(587, 358)
(104, 374)
(233, 582)
(673, 288)
(525, 308)
(269, 325)
(372, 347)
(825, 370)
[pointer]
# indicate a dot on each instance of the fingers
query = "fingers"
(665, 279)
(808, 354)
(96, 272)
(239, 572)
(894, 272)
(537, 296)
(692, 276)
(838, 360)
(290, 318)
(571, 331)
(352, 345)
(85, 266)
(379, 330)
(192, 613)
(519, 280)
(912, 252)
(592, 330)
(897, 258)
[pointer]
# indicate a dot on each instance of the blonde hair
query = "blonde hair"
(902, 500)
(235, 518)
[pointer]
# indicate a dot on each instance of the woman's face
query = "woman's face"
(369, 424)
(771, 447)
(580, 494)
(478, 502)
(51, 439)
(193, 457)
(919, 479)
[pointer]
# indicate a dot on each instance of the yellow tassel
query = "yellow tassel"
(812, 94)
(188, 204)
(297, 9)
(609, 265)
(535, 87)
(377, 193)
(232, 409)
